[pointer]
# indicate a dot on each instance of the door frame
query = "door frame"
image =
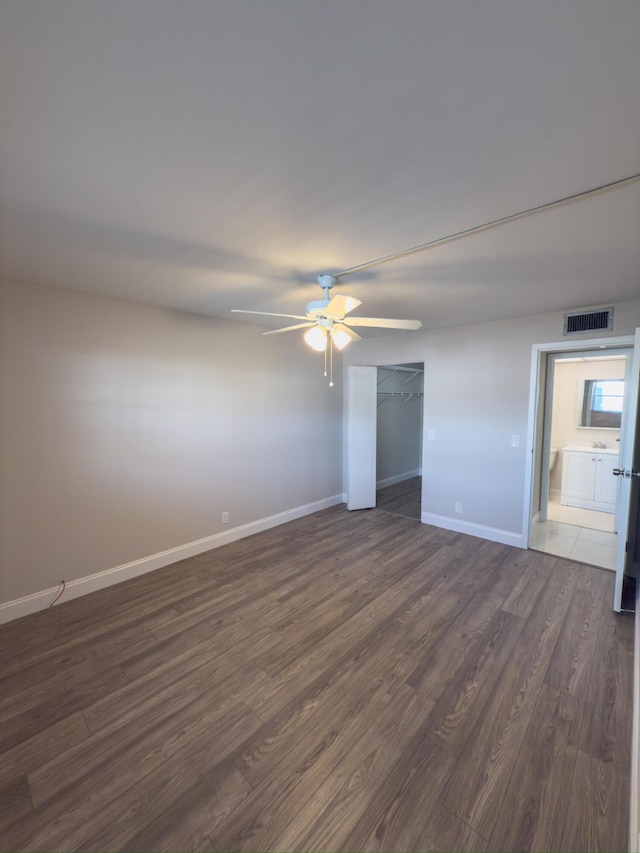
(537, 387)
(361, 470)
(545, 436)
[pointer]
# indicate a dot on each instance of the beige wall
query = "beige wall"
(126, 430)
(476, 387)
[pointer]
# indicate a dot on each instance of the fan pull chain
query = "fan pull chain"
(331, 362)
(325, 361)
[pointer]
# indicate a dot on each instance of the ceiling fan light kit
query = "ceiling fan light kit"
(316, 338)
(327, 324)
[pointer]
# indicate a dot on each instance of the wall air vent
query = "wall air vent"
(578, 322)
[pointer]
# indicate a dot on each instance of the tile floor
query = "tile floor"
(580, 517)
(580, 534)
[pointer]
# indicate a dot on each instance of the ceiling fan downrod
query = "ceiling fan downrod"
(326, 282)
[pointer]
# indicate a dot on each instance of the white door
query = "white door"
(362, 386)
(626, 465)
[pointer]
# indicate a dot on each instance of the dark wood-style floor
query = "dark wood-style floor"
(348, 681)
(404, 498)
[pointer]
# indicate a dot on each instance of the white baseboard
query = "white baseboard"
(391, 481)
(493, 534)
(91, 583)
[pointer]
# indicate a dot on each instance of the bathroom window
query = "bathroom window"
(602, 401)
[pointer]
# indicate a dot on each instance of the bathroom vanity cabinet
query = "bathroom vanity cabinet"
(587, 478)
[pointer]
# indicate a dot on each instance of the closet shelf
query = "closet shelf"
(395, 368)
(382, 396)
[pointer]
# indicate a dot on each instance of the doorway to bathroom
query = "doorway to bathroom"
(578, 512)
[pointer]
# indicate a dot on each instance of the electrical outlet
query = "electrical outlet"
(515, 441)
(458, 506)
(431, 435)
(225, 518)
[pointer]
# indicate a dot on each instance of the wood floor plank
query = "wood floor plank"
(446, 833)
(609, 697)
(207, 846)
(191, 650)
(133, 785)
(88, 618)
(71, 663)
(326, 819)
(343, 642)
(15, 800)
(404, 498)
(297, 641)
(392, 533)
(287, 790)
(479, 783)
(186, 824)
(570, 666)
(597, 812)
(534, 808)
(56, 704)
(462, 704)
(441, 661)
(330, 701)
(151, 794)
(169, 687)
(425, 616)
(428, 690)
(224, 608)
(133, 734)
(45, 746)
(402, 806)
(301, 635)
(528, 588)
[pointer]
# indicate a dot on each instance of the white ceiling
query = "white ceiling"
(214, 155)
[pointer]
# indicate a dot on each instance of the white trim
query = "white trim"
(91, 583)
(534, 388)
(493, 534)
(399, 478)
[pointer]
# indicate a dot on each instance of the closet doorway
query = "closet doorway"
(400, 389)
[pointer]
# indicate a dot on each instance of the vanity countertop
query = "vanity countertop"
(585, 448)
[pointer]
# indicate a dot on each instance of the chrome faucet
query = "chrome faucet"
(600, 445)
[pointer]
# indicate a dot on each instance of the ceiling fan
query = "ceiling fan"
(326, 321)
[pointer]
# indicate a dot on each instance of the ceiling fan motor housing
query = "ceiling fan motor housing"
(326, 282)
(316, 308)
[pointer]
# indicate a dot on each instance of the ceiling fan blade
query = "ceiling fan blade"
(341, 305)
(354, 336)
(269, 314)
(289, 328)
(382, 323)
